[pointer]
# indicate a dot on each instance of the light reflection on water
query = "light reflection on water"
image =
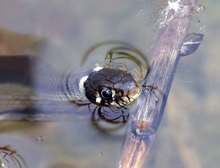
(66, 30)
(69, 28)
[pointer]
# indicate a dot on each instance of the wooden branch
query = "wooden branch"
(148, 110)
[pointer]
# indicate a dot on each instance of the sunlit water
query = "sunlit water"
(188, 134)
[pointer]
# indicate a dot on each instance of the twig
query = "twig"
(149, 108)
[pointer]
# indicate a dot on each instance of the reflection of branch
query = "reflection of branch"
(7, 150)
(148, 110)
(11, 158)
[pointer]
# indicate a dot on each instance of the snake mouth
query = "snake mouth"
(125, 100)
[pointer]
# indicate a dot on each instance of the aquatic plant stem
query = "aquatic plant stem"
(148, 110)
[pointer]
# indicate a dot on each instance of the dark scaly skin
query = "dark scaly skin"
(125, 88)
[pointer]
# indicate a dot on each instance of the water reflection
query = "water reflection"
(62, 163)
(110, 87)
(10, 158)
(118, 54)
(71, 27)
(104, 91)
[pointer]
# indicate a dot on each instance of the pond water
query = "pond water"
(59, 33)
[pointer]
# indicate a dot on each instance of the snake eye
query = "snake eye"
(105, 93)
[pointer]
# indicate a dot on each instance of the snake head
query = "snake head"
(110, 87)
